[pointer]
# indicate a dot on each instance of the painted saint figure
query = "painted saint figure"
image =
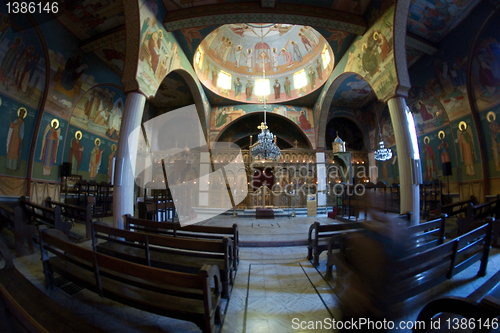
(110, 162)
(495, 138)
(467, 151)
(249, 89)
(430, 159)
(237, 88)
(237, 55)
(95, 159)
(274, 59)
(296, 51)
(50, 144)
(221, 119)
(75, 153)
(287, 57)
(15, 140)
(287, 87)
(304, 123)
(277, 90)
(312, 77)
(319, 70)
(248, 55)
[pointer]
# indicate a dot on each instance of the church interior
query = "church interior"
(248, 166)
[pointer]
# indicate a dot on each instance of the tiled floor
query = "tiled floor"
(275, 287)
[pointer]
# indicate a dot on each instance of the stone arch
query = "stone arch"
(253, 114)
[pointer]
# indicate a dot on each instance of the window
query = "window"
(262, 87)
(224, 80)
(325, 55)
(300, 79)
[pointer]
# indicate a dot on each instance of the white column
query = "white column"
(409, 187)
(321, 177)
(123, 190)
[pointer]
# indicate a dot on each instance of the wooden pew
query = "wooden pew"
(12, 218)
(319, 235)
(183, 296)
(454, 208)
(176, 254)
(25, 308)
(423, 270)
(37, 215)
(75, 214)
(475, 213)
(480, 307)
(190, 231)
(420, 237)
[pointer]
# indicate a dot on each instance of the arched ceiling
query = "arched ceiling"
(287, 132)
(99, 25)
(280, 53)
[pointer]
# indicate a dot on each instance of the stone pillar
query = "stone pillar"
(321, 177)
(123, 190)
(407, 151)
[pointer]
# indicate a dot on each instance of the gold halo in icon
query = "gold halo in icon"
(441, 132)
(19, 111)
(462, 124)
(491, 115)
(97, 142)
(54, 121)
(113, 147)
(76, 134)
(427, 140)
(160, 34)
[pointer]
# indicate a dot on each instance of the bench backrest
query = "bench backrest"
(190, 231)
(137, 275)
(161, 243)
(38, 214)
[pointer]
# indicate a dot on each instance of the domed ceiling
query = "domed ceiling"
(296, 61)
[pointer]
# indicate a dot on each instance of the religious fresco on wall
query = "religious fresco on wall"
(427, 110)
(89, 18)
(113, 53)
(388, 171)
(296, 59)
(22, 64)
(100, 111)
(489, 122)
(160, 52)
(90, 155)
(467, 148)
(223, 115)
(433, 19)
(72, 72)
(436, 150)
(354, 92)
(49, 147)
(486, 68)
(372, 56)
(17, 122)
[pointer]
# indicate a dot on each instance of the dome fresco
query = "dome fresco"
(296, 60)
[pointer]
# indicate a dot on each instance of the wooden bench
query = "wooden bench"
(172, 294)
(420, 237)
(479, 212)
(40, 215)
(167, 252)
(23, 233)
(319, 235)
(190, 231)
(454, 208)
(423, 270)
(482, 306)
(75, 214)
(25, 308)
